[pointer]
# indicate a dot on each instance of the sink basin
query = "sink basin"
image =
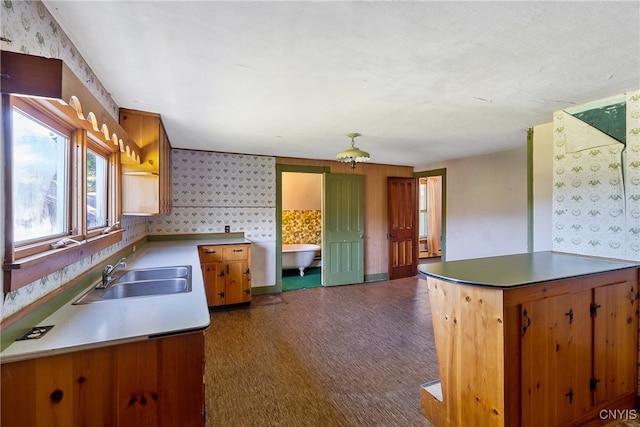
(153, 274)
(144, 282)
(145, 288)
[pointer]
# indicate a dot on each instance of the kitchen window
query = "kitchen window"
(97, 213)
(40, 179)
(63, 190)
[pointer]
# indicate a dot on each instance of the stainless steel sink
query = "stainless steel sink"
(145, 288)
(140, 283)
(153, 273)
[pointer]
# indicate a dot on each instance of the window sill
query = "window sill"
(26, 270)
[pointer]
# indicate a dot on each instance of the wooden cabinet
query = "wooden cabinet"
(151, 383)
(227, 274)
(146, 188)
(554, 353)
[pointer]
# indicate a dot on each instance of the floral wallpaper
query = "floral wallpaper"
(29, 28)
(301, 226)
(596, 194)
(212, 190)
(135, 229)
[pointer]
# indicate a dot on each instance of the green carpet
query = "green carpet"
(292, 281)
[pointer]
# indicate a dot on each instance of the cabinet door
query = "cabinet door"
(137, 386)
(214, 283)
(556, 359)
(237, 282)
(615, 325)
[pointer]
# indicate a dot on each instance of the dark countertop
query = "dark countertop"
(510, 271)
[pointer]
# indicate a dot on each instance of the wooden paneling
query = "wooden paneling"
(376, 252)
(555, 367)
(527, 356)
(615, 336)
(468, 329)
(155, 383)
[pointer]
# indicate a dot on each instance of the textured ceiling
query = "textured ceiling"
(421, 81)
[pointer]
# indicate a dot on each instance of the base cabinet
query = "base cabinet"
(227, 274)
(553, 354)
(156, 382)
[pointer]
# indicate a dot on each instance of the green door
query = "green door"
(342, 230)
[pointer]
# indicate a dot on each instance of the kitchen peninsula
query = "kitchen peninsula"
(127, 361)
(541, 338)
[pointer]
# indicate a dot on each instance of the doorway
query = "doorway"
(301, 231)
(431, 215)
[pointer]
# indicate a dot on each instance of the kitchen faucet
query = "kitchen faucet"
(108, 270)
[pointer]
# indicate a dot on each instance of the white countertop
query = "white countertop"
(94, 325)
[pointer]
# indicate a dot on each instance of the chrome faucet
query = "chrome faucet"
(108, 270)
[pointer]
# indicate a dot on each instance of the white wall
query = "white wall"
(486, 197)
(301, 191)
(542, 186)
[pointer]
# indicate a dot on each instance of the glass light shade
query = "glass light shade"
(353, 154)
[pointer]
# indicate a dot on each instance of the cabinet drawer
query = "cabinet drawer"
(236, 252)
(210, 253)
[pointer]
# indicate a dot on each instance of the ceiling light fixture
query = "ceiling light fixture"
(353, 154)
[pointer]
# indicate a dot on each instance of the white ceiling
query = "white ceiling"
(422, 81)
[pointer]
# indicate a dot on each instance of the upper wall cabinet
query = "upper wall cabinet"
(146, 187)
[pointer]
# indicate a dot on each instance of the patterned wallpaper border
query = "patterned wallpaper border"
(211, 190)
(33, 30)
(596, 187)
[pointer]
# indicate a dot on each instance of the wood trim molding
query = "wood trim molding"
(50, 78)
(45, 306)
(26, 270)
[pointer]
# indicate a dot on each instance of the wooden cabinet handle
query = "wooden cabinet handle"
(210, 251)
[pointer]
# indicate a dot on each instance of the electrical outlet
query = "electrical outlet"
(227, 229)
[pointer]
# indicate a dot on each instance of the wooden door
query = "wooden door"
(402, 195)
(615, 324)
(343, 229)
(556, 359)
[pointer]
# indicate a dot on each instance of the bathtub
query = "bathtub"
(298, 256)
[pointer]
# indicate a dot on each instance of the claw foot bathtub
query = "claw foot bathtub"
(298, 256)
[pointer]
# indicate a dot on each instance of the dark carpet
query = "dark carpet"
(339, 356)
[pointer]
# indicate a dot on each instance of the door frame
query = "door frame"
(278, 247)
(443, 206)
